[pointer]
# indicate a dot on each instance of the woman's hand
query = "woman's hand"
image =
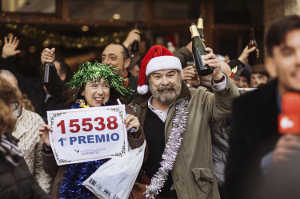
(44, 133)
(132, 122)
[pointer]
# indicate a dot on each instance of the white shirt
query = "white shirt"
(161, 114)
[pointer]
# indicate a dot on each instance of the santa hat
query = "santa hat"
(157, 58)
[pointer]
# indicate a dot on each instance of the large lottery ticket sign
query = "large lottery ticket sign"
(86, 134)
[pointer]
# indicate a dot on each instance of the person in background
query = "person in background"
(185, 54)
(259, 76)
(11, 78)
(242, 79)
(16, 181)
(28, 85)
(26, 132)
(134, 68)
(118, 55)
(59, 75)
(255, 114)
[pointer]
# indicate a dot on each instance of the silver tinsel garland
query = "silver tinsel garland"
(169, 155)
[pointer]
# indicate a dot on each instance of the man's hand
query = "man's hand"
(133, 35)
(286, 148)
(225, 68)
(188, 73)
(10, 45)
(246, 52)
(211, 60)
(48, 55)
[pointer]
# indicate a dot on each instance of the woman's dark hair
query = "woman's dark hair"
(276, 34)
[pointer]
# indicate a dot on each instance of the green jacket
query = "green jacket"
(193, 174)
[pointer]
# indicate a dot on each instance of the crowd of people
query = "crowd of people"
(207, 137)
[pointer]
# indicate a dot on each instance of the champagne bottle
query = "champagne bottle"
(135, 44)
(198, 48)
(47, 66)
(253, 58)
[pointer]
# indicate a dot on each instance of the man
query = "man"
(172, 113)
(259, 76)
(118, 55)
(255, 131)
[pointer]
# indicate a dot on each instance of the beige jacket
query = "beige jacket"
(193, 173)
(27, 132)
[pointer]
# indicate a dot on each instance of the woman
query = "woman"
(16, 182)
(26, 131)
(93, 85)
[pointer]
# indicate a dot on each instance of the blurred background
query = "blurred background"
(80, 29)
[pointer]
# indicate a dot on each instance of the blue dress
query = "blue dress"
(75, 174)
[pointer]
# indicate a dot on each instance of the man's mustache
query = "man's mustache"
(166, 88)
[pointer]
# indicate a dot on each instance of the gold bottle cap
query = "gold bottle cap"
(194, 30)
(200, 23)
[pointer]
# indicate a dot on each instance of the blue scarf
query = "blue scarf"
(75, 174)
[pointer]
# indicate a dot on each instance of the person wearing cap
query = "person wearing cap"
(178, 162)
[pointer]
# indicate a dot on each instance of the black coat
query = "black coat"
(16, 181)
(255, 134)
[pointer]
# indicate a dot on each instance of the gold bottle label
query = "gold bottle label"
(194, 31)
(200, 23)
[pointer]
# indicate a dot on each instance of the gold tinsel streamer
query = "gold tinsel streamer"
(54, 39)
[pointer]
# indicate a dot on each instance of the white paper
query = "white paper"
(87, 134)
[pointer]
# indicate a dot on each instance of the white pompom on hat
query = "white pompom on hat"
(157, 58)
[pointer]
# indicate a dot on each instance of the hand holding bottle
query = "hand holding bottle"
(47, 59)
(133, 35)
(188, 73)
(246, 52)
(48, 55)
